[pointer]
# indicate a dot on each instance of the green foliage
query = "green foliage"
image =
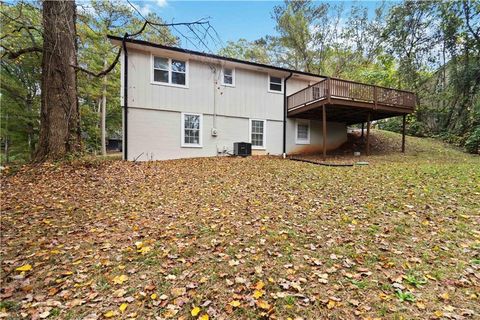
(20, 86)
(405, 296)
(255, 51)
(415, 281)
(430, 47)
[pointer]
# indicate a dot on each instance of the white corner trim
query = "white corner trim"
(233, 77)
(169, 83)
(182, 134)
(302, 141)
(264, 146)
(268, 84)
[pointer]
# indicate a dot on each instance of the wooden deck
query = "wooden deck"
(349, 102)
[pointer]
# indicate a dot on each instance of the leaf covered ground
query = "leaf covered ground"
(245, 238)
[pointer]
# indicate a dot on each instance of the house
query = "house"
(181, 103)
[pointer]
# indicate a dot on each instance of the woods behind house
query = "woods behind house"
(432, 48)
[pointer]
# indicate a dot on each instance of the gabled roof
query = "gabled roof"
(117, 40)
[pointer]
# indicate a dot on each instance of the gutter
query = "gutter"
(209, 55)
(125, 99)
(285, 107)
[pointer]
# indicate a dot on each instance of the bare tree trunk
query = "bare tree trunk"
(104, 113)
(60, 116)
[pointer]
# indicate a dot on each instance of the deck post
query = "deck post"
(329, 93)
(403, 132)
(324, 124)
(368, 135)
(363, 128)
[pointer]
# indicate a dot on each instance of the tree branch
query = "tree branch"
(15, 54)
(103, 72)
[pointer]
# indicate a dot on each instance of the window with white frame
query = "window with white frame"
(191, 130)
(302, 132)
(257, 133)
(169, 71)
(228, 77)
(275, 84)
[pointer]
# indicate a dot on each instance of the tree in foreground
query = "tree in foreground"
(59, 114)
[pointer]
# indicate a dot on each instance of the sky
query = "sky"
(232, 20)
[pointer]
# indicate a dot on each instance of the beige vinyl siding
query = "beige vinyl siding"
(156, 135)
(249, 97)
(154, 116)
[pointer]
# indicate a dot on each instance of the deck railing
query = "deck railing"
(333, 88)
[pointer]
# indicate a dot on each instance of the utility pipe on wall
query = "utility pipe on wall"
(285, 112)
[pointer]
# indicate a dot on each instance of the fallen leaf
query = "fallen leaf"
(120, 279)
(195, 311)
(234, 303)
(109, 314)
(260, 284)
(262, 304)
(331, 304)
(123, 307)
(257, 294)
(25, 267)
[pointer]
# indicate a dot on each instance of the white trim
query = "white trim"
(169, 83)
(223, 78)
(182, 134)
(268, 84)
(301, 141)
(264, 146)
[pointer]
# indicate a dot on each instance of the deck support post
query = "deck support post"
(403, 132)
(368, 134)
(324, 125)
(363, 128)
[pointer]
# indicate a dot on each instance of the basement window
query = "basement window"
(169, 71)
(302, 131)
(275, 84)
(257, 133)
(192, 130)
(228, 77)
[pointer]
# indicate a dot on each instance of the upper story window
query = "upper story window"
(170, 71)
(228, 77)
(275, 84)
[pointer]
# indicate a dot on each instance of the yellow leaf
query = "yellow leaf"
(257, 294)
(25, 267)
(144, 250)
(234, 303)
(139, 244)
(120, 279)
(430, 277)
(438, 314)
(109, 314)
(260, 284)
(123, 307)
(445, 296)
(154, 296)
(420, 306)
(204, 317)
(384, 296)
(262, 304)
(330, 304)
(195, 311)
